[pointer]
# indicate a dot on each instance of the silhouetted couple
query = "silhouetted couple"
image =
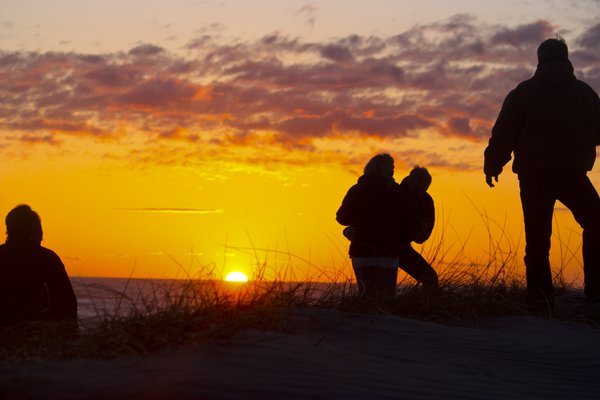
(551, 123)
(383, 218)
(33, 282)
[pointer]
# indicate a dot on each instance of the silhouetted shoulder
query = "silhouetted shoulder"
(49, 254)
(520, 97)
(30, 263)
(53, 267)
(525, 85)
(588, 89)
(428, 200)
(366, 201)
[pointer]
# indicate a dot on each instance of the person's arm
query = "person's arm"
(349, 212)
(63, 303)
(505, 133)
(427, 211)
(350, 233)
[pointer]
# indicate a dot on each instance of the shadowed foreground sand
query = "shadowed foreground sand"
(334, 355)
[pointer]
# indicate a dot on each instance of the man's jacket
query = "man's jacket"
(551, 122)
(375, 207)
(419, 214)
(33, 285)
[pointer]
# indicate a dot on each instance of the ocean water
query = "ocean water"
(108, 297)
(98, 297)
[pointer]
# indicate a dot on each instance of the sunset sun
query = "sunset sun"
(236, 277)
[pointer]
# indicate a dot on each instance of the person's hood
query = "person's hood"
(555, 73)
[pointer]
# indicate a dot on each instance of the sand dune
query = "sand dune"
(334, 355)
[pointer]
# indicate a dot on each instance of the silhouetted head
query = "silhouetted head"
(381, 165)
(419, 178)
(23, 225)
(552, 50)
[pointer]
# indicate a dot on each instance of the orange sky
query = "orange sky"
(165, 161)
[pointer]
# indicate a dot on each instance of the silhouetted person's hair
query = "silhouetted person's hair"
(23, 225)
(552, 50)
(419, 177)
(381, 164)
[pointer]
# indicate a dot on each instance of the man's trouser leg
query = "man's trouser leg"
(537, 199)
(376, 281)
(416, 266)
(579, 195)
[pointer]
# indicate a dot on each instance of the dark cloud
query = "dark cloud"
(163, 94)
(146, 50)
(460, 125)
(112, 76)
(200, 42)
(309, 12)
(35, 139)
(73, 127)
(592, 76)
(449, 76)
(590, 39)
(524, 35)
(336, 52)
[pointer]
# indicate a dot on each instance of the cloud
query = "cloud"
(146, 50)
(35, 139)
(36, 124)
(448, 77)
(166, 94)
(527, 34)
(460, 125)
(590, 39)
(174, 210)
(309, 12)
(337, 53)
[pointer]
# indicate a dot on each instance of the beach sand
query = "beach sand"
(336, 355)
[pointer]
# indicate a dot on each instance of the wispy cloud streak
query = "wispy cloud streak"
(174, 210)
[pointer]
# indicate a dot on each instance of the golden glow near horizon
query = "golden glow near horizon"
(187, 149)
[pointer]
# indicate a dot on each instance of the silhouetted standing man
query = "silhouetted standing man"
(552, 124)
(33, 282)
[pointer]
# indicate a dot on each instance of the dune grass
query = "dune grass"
(191, 311)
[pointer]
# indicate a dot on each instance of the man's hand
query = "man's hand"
(351, 233)
(488, 180)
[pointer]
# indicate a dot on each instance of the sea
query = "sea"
(97, 297)
(106, 298)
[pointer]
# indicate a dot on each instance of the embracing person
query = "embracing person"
(382, 219)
